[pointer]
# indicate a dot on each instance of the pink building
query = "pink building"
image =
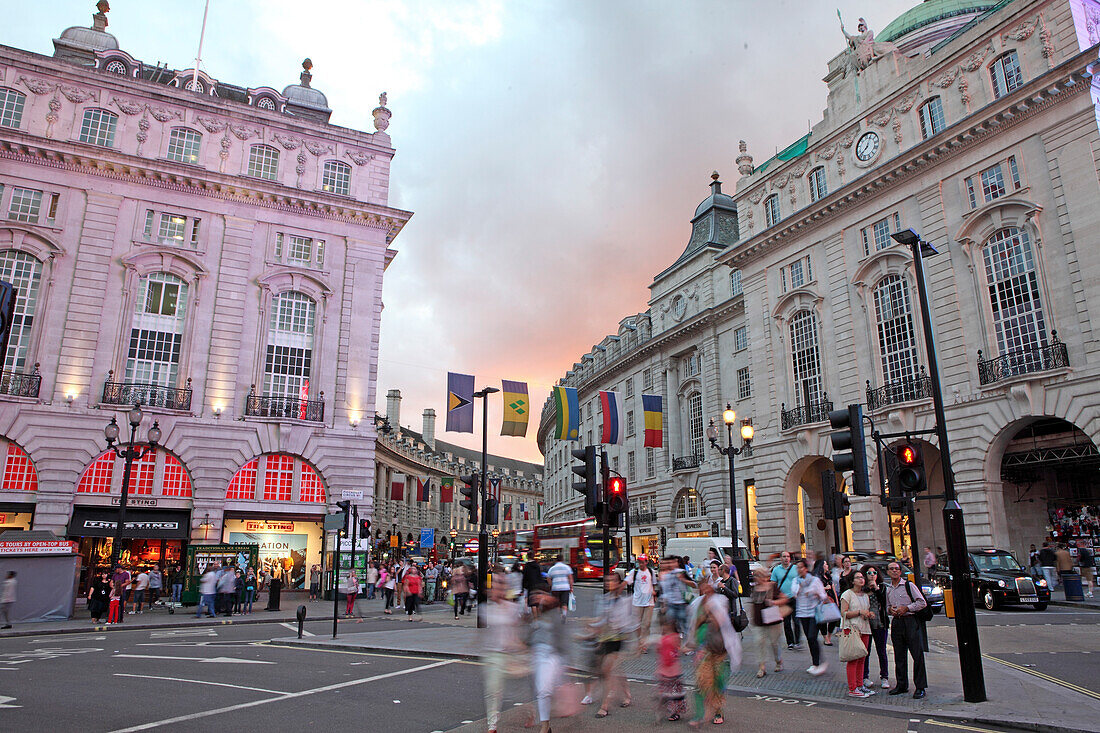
(212, 251)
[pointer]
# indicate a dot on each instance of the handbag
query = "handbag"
(740, 620)
(771, 615)
(827, 613)
(851, 645)
(572, 602)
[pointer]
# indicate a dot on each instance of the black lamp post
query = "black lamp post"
(966, 621)
(130, 452)
(483, 535)
(729, 417)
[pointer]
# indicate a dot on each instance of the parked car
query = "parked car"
(933, 592)
(999, 579)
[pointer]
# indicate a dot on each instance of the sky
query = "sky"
(552, 151)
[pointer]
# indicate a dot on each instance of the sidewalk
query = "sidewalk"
(1058, 598)
(1016, 699)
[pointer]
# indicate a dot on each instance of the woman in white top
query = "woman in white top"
(855, 612)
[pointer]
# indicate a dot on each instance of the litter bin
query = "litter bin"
(949, 602)
(1071, 583)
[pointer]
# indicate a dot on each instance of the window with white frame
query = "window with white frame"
(735, 283)
(11, 107)
(629, 423)
(294, 249)
(115, 67)
(691, 365)
(796, 274)
(994, 182)
(630, 388)
(647, 379)
(1005, 74)
(24, 272)
(931, 118)
(744, 383)
(650, 463)
(1013, 287)
(818, 188)
(170, 228)
(263, 162)
(336, 178)
(688, 505)
(184, 145)
(877, 236)
(805, 358)
(631, 474)
(98, 127)
(740, 338)
(771, 209)
(25, 205)
(695, 423)
(896, 338)
(156, 335)
(289, 358)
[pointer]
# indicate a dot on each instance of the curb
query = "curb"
(373, 650)
(1076, 604)
(100, 628)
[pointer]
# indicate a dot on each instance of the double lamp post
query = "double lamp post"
(130, 451)
(729, 417)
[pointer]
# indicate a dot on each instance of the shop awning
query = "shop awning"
(170, 524)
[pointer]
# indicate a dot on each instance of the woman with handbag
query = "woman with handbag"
(809, 593)
(855, 633)
(880, 625)
(769, 607)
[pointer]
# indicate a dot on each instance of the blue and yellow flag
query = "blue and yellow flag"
(568, 408)
(654, 420)
(517, 408)
(460, 403)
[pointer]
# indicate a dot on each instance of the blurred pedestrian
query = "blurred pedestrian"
(227, 589)
(7, 598)
(156, 583)
(670, 688)
(275, 585)
(784, 576)
(1064, 562)
(809, 593)
(720, 655)
(208, 590)
(413, 586)
(141, 582)
(547, 653)
(613, 625)
(1048, 562)
(560, 577)
(1087, 562)
(460, 588)
(503, 619)
(929, 561)
(674, 585)
(532, 581)
(372, 580)
(769, 608)
(643, 589)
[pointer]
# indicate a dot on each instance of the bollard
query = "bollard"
(301, 614)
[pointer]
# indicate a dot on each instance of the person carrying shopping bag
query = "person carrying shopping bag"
(855, 633)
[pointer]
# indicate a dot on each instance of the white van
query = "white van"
(696, 547)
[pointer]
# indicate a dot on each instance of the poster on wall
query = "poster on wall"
(285, 550)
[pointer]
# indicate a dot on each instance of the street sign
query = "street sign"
(470, 546)
(335, 521)
(351, 494)
(427, 537)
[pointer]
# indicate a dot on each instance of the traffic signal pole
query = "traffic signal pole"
(483, 535)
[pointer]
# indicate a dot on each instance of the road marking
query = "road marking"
(294, 628)
(4, 700)
(49, 640)
(42, 654)
(1047, 677)
(932, 721)
(472, 662)
(287, 696)
(200, 682)
(182, 632)
(215, 660)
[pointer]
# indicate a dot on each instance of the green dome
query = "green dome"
(934, 11)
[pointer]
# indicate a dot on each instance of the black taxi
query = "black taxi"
(999, 579)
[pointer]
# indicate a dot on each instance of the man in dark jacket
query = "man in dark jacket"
(1048, 561)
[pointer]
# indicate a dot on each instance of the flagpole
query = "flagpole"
(198, 57)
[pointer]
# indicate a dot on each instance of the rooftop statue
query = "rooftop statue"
(863, 49)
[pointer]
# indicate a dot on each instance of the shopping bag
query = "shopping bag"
(851, 646)
(771, 615)
(572, 602)
(450, 598)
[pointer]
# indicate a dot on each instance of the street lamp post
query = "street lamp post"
(130, 452)
(729, 417)
(966, 621)
(483, 535)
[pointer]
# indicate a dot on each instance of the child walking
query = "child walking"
(670, 690)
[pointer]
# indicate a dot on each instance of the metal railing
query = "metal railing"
(17, 384)
(643, 518)
(805, 414)
(683, 463)
(286, 408)
(148, 395)
(907, 389)
(1053, 355)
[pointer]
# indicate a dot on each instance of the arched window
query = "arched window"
(689, 505)
(116, 67)
(695, 422)
(336, 178)
(98, 127)
(24, 272)
(735, 283)
(1013, 284)
(265, 103)
(289, 357)
(184, 145)
(194, 85)
(263, 162)
(1005, 74)
(279, 477)
(818, 188)
(19, 473)
(931, 118)
(805, 358)
(156, 336)
(896, 340)
(99, 476)
(11, 107)
(771, 209)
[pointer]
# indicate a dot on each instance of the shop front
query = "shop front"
(149, 537)
(16, 516)
(696, 528)
(646, 542)
(290, 542)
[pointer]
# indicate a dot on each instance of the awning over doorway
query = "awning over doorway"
(171, 524)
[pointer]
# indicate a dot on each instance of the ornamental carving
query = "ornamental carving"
(359, 157)
(908, 102)
(975, 60)
(288, 143)
(794, 197)
(242, 132)
(1048, 47)
(827, 153)
(75, 95)
(143, 130)
(127, 106)
(211, 124)
(882, 119)
(318, 149)
(1022, 32)
(780, 181)
(160, 114)
(800, 169)
(756, 195)
(964, 86)
(37, 86)
(848, 139)
(748, 219)
(301, 168)
(897, 130)
(945, 79)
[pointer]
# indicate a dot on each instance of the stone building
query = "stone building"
(211, 251)
(975, 124)
(404, 455)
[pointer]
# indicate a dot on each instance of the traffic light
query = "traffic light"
(492, 511)
(836, 504)
(910, 478)
(587, 487)
(345, 507)
(470, 492)
(364, 528)
(615, 500)
(851, 440)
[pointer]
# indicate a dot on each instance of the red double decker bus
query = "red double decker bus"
(579, 542)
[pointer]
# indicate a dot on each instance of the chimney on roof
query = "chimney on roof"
(429, 428)
(393, 408)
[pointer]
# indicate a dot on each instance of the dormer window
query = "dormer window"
(266, 103)
(194, 85)
(116, 67)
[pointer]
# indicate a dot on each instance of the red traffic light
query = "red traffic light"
(616, 485)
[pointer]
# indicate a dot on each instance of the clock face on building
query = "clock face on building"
(867, 147)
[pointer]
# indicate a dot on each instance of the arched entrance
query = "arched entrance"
(1050, 482)
(814, 532)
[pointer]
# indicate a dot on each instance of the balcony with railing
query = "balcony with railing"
(811, 412)
(18, 384)
(147, 395)
(1052, 355)
(907, 389)
(646, 517)
(284, 408)
(686, 463)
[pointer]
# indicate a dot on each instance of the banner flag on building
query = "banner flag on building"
(494, 489)
(539, 505)
(446, 490)
(460, 403)
(517, 408)
(568, 409)
(612, 405)
(397, 488)
(507, 512)
(654, 421)
(523, 509)
(423, 486)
